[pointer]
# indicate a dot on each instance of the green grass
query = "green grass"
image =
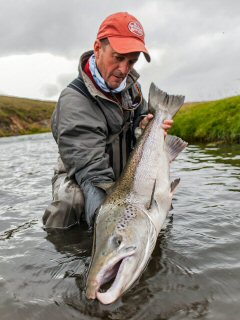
(200, 122)
(214, 121)
(24, 116)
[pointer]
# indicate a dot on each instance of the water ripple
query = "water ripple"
(194, 268)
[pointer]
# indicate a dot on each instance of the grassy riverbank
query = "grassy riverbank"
(24, 116)
(213, 121)
(200, 122)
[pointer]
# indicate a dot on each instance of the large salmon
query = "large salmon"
(130, 219)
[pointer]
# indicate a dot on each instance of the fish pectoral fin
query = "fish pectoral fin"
(174, 185)
(106, 186)
(174, 145)
(171, 207)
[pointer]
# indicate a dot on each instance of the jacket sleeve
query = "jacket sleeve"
(82, 134)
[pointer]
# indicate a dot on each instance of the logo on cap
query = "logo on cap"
(135, 28)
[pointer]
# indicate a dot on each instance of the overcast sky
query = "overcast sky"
(194, 44)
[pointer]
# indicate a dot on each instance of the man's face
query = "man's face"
(113, 66)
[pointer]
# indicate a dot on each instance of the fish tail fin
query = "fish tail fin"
(174, 145)
(159, 99)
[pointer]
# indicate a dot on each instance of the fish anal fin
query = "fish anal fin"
(174, 145)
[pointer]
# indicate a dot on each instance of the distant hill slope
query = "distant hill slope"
(213, 121)
(24, 116)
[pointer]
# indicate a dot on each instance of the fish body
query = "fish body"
(130, 219)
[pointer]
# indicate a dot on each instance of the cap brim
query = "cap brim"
(127, 45)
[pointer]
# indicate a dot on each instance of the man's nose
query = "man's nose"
(124, 67)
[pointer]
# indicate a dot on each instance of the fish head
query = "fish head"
(123, 242)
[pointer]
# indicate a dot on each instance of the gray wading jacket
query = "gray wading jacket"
(95, 136)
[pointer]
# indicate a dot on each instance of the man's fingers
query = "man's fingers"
(149, 116)
(166, 126)
(168, 122)
(145, 121)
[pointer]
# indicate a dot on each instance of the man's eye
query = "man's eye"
(119, 58)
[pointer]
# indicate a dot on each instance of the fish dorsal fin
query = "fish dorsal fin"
(152, 196)
(106, 186)
(159, 99)
(174, 145)
(174, 185)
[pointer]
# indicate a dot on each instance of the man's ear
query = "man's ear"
(97, 47)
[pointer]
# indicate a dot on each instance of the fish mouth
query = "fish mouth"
(115, 271)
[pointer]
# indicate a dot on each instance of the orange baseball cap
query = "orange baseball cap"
(125, 33)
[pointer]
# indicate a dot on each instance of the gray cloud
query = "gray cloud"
(63, 27)
(198, 41)
(51, 90)
(67, 26)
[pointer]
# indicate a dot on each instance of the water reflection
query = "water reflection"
(227, 154)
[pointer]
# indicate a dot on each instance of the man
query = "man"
(95, 120)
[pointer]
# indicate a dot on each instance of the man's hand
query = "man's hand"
(167, 124)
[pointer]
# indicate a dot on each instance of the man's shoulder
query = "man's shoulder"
(70, 98)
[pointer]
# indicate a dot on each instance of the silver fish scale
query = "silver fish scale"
(147, 170)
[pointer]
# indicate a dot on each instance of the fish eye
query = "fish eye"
(117, 240)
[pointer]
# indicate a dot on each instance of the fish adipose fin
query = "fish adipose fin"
(174, 145)
(159, 99)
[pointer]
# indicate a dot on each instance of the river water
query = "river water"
(194, 271)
